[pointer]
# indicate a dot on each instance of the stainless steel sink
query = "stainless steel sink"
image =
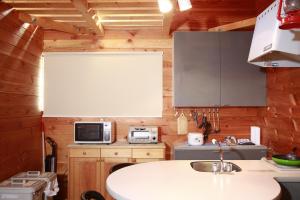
(215, 166)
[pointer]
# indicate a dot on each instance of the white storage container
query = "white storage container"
(50, 178)
(23, 189)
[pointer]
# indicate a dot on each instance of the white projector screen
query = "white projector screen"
(103, 84)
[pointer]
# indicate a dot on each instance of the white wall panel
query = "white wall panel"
(103, 84)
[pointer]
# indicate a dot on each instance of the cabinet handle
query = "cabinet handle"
(148, 154)
(84, 153)
(116, 153)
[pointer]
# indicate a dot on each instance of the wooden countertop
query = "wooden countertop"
(119, 144)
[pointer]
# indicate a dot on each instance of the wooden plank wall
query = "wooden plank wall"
(234, 121)
(281, 127)
(21, 46)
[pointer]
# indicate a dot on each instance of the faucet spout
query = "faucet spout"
(221, 154)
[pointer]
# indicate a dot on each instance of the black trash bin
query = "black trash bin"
(88, 195)
(119, 166)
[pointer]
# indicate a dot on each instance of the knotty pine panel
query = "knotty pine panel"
(18, 42)
(21, 46)
(281, 130)
(234, 121)
(12, 63)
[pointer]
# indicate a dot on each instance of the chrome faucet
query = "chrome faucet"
(221, 153)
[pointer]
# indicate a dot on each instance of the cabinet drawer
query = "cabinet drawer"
(91, 153)
(148, 153)
(116, 153)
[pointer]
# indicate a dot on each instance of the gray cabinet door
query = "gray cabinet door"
(242, 84)
(196, 72)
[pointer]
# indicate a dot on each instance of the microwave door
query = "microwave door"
(89, 133)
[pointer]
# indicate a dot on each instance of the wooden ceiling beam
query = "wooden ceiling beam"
(236, 25)
(89, 15)
(122, 1)
(132, 22)
(125, 17)
(70, 13)
(94, 6)
(36, 1)
(50, 24)
(132, 28)
(124, 5)
(68, 1)
(67, 18)
(130, 12)
(44, 5)
(116, 9)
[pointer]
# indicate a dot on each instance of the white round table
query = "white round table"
(176, 180)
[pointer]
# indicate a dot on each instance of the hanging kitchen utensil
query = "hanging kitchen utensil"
(195, 117)
(214, 120)
(289, 14)
(288, 159)
(182, 124)
(203, 121)
(217, 130)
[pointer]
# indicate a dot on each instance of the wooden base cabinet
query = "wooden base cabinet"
(84, 174)
(89, 165)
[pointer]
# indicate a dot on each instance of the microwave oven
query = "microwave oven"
(94, 132)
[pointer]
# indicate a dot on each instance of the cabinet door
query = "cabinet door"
(196, 70)
(242, 84)
(84, 174)
(106, 164)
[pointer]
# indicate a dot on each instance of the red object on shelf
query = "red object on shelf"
(291, 19)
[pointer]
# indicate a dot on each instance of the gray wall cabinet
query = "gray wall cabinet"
(211, 69)
(196, 69)
(242, 84)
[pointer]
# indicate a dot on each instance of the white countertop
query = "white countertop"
(176, 180)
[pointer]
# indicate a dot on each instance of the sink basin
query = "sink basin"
(214, 166)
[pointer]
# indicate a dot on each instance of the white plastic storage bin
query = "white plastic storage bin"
(50, 178)
(25, 190)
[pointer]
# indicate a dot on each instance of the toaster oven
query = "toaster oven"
(143, 135)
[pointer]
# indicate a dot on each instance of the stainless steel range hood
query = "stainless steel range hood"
(271, 46)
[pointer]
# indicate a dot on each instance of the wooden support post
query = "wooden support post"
(89, 15)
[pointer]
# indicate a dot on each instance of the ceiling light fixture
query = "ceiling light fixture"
(184, 5)
(165, 6)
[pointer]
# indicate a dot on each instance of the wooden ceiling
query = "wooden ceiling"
(97, 16)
